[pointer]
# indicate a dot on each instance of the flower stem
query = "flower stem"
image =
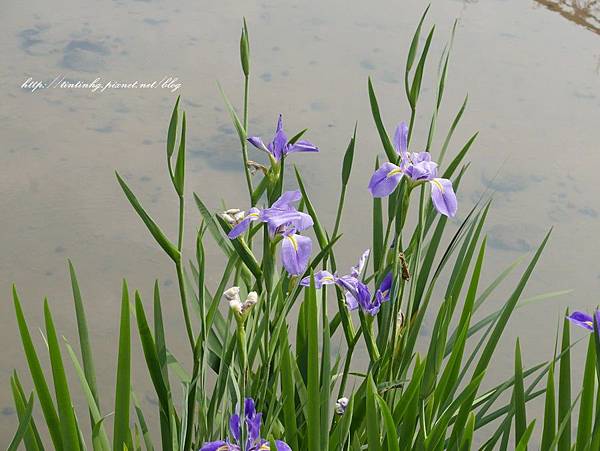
(180, 277)
(243, 357)
(245, 143)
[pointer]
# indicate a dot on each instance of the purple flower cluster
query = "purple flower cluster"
(254, 441)
(282, 218)
(357, 294)
(419, 168)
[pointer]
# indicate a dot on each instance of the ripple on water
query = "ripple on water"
(85, 56)
(515, 237)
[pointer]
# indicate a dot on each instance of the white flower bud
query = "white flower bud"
(228, 218)
(236, 305)
(252, 298)
(233, 211)
(341, 405)
(239, 216)
(232, 293)
(250, 301)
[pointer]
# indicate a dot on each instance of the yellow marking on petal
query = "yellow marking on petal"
(294, 242)
(223, 448)
(394, 172)
(264, 447)
(327, 278)
(438, 184)
(589, 323)
(252, 215)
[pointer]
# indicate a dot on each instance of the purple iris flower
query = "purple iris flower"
(279, 147)
(357, 294)
(419, 168)
(284, 213)
(584, 320)
(283, 218)
(254, 441)
(281, 213)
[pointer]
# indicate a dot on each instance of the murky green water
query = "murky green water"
(531, 69)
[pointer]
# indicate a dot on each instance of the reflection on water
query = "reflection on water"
(583, 12)
(537, 149)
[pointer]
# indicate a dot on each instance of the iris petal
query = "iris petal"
(321, 278)
(295, 253)
(385, 180)
(443, 197)
(582, 319)
(401, 139)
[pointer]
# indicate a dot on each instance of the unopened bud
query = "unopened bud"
(341, 405)
(232, 293)
(233, 216)
(245, 50)
(236, 305)
(250, 301)
(228, 218)
(400, 320)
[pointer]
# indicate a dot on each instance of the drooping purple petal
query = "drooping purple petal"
(348, 283)
(282, 446)
(258, 143)
(253, 425)
(302, 146)
(385, 180)
(234, 426)
(401, 139)
(295, 253)
(219, 445)
(254, 214)
(321, 278)
(383, 292)
(357, 270)
(370, 307)
(582, 319)
(443, 197)
(351, 301)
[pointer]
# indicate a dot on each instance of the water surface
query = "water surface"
(531, 70)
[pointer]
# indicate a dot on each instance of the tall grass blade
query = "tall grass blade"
(84, 339)
(519, 397)
(123, 384)
(154, 230)
(23, 426)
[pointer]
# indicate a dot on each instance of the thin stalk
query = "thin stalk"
(180, 277)
(243, 356)
(338, 216)
(347, 363)
(184, 304)
(413, 114)
(180, 231)
(245, 143)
